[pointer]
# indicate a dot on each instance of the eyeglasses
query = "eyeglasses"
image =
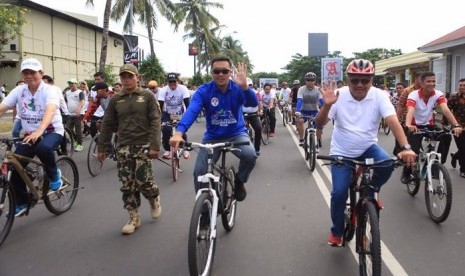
(172, 81)
(364, 81)
(309, 79)
(221, 71)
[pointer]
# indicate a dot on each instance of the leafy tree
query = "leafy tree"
(197, 79)
(106, 29)
(300, 65)
(200, 25)
(145, 10)
(151, 69)
(11, 21)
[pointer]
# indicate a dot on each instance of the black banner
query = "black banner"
(131, 49)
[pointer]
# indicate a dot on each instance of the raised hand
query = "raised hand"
(329, 96)
(240, 77)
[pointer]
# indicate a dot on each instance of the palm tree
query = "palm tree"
(106, 26)
(200, 25)
(146, 13)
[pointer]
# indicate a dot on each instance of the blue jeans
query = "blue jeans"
(341, 181)
(45, 150)
(246, 155)
(17, 127)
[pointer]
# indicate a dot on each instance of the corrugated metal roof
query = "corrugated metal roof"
(403, 60)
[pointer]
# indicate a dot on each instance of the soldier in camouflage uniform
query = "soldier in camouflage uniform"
(135, 114)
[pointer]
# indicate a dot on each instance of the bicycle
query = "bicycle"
(285, 112)
(215, 199)
(57, 202)
(310, 141)
(384, 126)
(175, 153)
(248, 126)
(93, 164)
(438, 183)
(361, 216)
(265, 127)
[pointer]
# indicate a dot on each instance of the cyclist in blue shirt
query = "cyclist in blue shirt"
(222, 100)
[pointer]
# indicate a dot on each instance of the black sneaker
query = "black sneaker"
(453, 160)
(406, 176)
(301, 142)
(239, 193)
(319, 143)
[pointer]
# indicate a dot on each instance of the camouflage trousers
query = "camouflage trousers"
(136, 175)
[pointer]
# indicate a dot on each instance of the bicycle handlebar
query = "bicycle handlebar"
(433, 134)
(225, 145)
(369, 162)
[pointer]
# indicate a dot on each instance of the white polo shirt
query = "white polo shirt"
(424, 111)
(356, 122)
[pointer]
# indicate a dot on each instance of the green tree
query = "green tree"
(200, 25)
(106, 28)
(151, 69)
(300, 65)
(146, 14)
(232, 48)
(11, 21)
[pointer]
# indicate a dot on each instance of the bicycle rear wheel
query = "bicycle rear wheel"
(439, 200)
(93, 164)
(67, 146)
(349, 218)
(311, 151)
(60, 201)
(174, 163)
(386, 129)
(7, 211)
(266, 131)
(228, 216)
(284, 116)
(201, 245)
(368, 240)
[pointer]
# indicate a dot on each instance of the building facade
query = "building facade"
(67, 46)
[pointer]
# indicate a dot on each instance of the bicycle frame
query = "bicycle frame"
(13, 159)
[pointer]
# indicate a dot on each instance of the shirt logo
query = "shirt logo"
(215, 101)
(140, 99)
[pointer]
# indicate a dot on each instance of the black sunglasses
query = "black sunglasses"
(221, 71)
(309, 79)
(364, 81)
(172, 81)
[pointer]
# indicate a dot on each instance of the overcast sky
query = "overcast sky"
(273, 31)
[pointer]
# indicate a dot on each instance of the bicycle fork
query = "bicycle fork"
(431, 158)
(205, 179)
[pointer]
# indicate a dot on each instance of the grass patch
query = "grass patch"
(5, 126)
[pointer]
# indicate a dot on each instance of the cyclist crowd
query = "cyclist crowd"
(143, 131)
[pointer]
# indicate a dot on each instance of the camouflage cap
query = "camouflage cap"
(128, 68)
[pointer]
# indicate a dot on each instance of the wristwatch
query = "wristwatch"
(406, 147)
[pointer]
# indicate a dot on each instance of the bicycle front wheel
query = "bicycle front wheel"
(266, 131)
(285, 117)
(368, 240)
(174, 163)
(201, 245)
(439, 199)
(93, 164)
(60, 201)
(311, 151)
(228, 216)
(414, 184)
(7, 210)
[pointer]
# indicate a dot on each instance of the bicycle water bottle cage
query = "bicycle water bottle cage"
(206, 178)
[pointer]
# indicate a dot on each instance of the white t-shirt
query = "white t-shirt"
(268, 98)
(32, 107)
(173, 98)
(356, 122)
(285, 93)
(424, 112)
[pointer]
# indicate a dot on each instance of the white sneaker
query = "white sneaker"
(167, 155)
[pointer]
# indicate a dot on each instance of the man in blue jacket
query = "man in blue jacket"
(222, 99)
